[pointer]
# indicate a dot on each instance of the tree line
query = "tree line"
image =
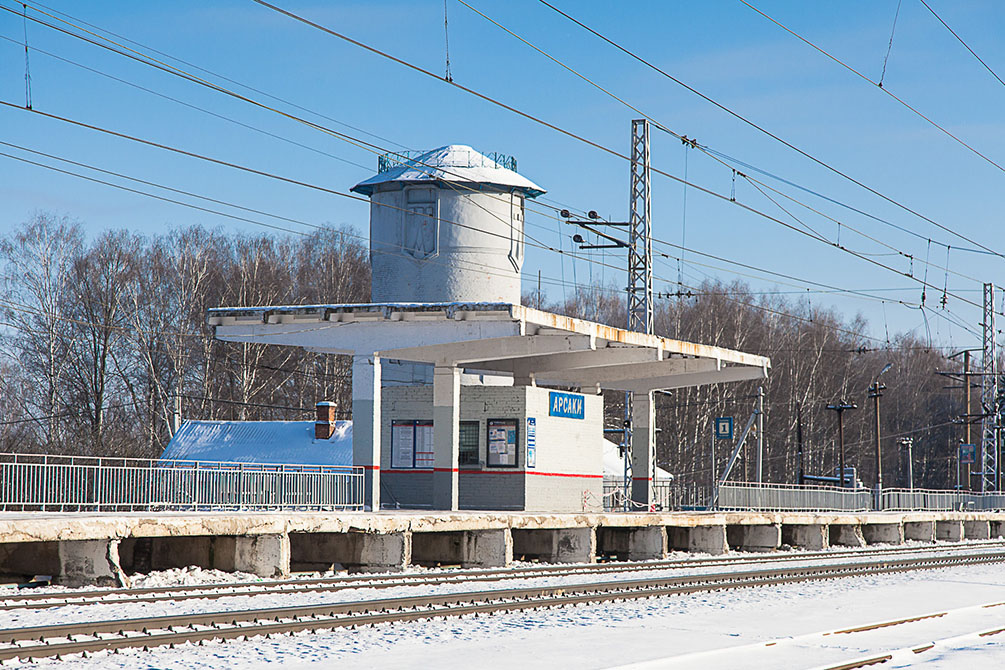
(105, 339)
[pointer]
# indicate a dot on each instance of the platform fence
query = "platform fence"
(40, 482)
(751, 496)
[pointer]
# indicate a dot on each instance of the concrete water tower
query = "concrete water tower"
(447, 226)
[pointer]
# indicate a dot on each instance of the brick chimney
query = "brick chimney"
(324, 424)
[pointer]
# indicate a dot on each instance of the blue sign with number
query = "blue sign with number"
(968, 454)
(724, 427)
(567, 405)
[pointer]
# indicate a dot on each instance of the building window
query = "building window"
(411, 444)
(469, 443)
(503, 441)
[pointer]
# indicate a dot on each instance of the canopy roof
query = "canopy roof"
(454, 163)
(531, 345)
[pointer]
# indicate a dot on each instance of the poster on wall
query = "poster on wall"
(502, 439)
(531, 442)
(424, 455)
(402, 444)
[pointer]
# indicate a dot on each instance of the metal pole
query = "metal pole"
(966, 382)
(799, 439)
(876, 394)
(841, 443)
(760, 434)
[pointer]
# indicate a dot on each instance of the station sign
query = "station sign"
(968, 454)
(567, 405)
(531, 442)
(724, 427)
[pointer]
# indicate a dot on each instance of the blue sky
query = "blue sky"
(721, 47)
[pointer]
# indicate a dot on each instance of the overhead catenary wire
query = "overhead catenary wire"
(716, 194)
(900, 100)
(375, 149)
(961, 41)
(564, 131)
(767, 132)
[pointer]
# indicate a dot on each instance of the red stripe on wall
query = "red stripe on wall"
(496, 472)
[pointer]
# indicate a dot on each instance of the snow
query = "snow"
(274, 442)
(707, 630)
(455, 163)
(614, 464)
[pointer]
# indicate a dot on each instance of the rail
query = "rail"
(45, 482)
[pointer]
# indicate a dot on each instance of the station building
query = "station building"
(462, 398)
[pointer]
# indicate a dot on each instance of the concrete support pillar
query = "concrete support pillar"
(698, 539)
(366, 425)
(643, 448)
(846, 535)
(85, 562)
(806, 536)
(491, 548)
(949, 530)
(446, 431)
(977, 530)
(633, 544)
(883, 533)
(556, 545)
(262, 555)
(922, 531)
(766, 537)
(997, 528)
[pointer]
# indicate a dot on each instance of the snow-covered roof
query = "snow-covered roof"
(454, 163)
(289, 442)
(614, 464)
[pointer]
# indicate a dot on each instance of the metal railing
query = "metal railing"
(926, 499)
(791, 498)
(667, 496)
(40, 482)
(393, 159)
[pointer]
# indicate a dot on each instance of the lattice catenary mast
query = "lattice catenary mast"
(640, 263)
(989, 397)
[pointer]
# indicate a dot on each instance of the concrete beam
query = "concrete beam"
(731, 374)
(576, 360)
(470, 548)
(354, 551)
(366, 414)
(949, 530)
(920, 531)
(446, 436)
(805, 536)
(632, 544)
(846, 535)
(698, 539)
(556, 545)
(977, 530)
(883, 533)
(766, 537)
(86, 562)
(633, 373)
(480, 352)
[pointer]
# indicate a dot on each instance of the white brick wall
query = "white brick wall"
(564, 447)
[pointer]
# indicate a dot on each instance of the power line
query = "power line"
(967, 46)
(371, 147)
(765, 131)
(840, 62)
(589, 142)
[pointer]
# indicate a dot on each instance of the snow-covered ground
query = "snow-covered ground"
(710, 630)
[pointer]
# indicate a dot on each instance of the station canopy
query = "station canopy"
(501, 338)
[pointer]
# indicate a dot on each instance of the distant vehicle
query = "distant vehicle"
(851, 481)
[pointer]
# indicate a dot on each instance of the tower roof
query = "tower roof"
(454, 163)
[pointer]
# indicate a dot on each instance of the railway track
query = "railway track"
(46, 600)
(145, 632)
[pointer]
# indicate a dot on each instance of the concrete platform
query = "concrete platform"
(108, 547)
